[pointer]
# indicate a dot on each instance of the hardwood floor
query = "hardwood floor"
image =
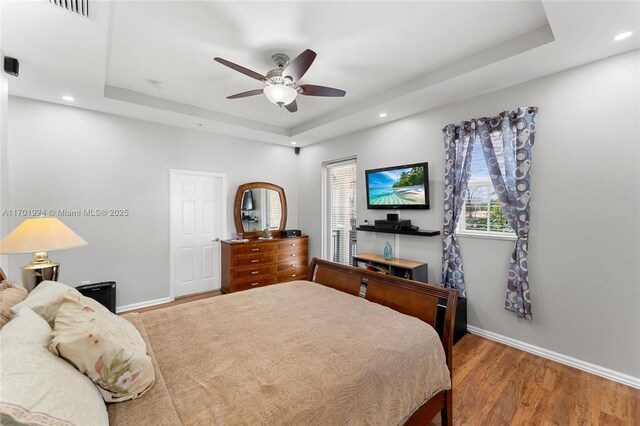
(496, 385)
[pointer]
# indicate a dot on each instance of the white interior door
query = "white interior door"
(197, 217)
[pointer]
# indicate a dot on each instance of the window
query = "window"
(482, 213)
(340, 216)
(275, 209)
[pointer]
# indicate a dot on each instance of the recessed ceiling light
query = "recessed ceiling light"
(623, 35)
(293, 142)
(383, 115)
(68, 98)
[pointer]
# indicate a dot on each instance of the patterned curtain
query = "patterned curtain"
(506, 143)
(458, 142)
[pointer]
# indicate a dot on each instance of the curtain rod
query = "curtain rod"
(530, 110)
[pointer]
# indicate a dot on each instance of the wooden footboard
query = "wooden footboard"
(408, 297)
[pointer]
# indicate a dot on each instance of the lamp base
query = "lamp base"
(36, 272)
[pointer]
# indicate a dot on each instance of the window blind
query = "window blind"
(341, 220)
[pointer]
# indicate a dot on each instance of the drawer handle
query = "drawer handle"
(255, 249)
(253, 284)
(293, 275)
(293, 244)
(255, 261)
(293, 264)
(255, 272)
(292, 255)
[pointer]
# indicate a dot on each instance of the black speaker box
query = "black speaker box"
(393, 216)
(104, 293)
(460, 325)
(291, 233)
(11, 66)
(392, 224)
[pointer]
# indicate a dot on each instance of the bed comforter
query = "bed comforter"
(294, 353)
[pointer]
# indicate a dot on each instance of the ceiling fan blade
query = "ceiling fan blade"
(243, 70)
(312, 90)
(245, 94)
(299, 66)
(292, 107)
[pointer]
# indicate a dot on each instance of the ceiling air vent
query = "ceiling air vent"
(80, 7)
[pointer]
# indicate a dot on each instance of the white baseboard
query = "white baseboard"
(616, 376)
(141, 305)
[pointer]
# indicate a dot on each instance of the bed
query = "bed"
(304, 352)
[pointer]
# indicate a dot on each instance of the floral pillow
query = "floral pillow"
(104, 346)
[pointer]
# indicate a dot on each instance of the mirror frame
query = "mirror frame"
(237, 211)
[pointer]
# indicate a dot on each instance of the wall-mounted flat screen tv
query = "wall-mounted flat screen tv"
(399, 187)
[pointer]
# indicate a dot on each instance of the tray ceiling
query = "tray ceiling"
(395, 57)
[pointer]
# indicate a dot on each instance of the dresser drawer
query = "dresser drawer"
(256, 272)
(253, 283)
(293, 255)
(253, 248)
(288, 244)
(292, 274)
(292, 265)
(260, 263)
(255, 259)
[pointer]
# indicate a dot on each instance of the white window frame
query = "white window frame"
(326, 205)
(493, 235)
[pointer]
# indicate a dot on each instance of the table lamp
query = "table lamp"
(38, 236)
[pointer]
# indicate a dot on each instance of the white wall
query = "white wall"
(70, 158)
(4, 164)
(585, 230)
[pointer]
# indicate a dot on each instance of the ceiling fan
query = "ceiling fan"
(282, 82)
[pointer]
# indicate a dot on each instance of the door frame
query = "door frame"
(173, 175)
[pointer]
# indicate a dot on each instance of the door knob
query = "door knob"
(216, 240)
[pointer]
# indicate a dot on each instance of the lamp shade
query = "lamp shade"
(38, 235)
(280, 94)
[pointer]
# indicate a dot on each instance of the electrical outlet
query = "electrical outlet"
(85, 282)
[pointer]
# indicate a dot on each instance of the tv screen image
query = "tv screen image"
(399, 187)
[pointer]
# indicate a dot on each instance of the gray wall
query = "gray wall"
(585, 231)
(70, 158)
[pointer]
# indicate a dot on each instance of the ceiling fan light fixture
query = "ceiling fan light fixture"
(280, 94)
(282, 83)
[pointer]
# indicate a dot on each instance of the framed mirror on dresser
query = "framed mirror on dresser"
(251, 260)
(259, 206)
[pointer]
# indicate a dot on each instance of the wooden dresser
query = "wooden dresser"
(263, 262)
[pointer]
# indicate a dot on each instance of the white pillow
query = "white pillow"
(45, 299)
(38, 388)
